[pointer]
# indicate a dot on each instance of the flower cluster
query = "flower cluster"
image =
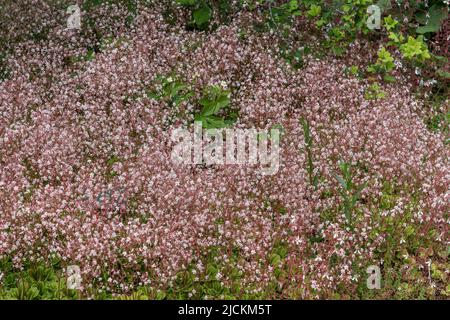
(86, 176)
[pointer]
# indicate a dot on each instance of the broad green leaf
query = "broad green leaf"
(222, 102)
(436, 15)
(202, 15)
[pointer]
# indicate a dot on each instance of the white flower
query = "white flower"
(223, 84)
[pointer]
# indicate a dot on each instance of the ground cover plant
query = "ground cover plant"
(86, 122)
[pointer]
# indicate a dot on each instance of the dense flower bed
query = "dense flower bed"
(86, 176)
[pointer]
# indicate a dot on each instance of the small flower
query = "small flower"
(223, 84)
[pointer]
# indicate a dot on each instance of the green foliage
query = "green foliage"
(415, 49)
(171, 89)
(279, 18)
(397, 38)
(349, 192)
(296, 58)
(174, 92)
(384, 64)
(439, 119)
(36, 282)
(374, 92)
(201, 13)
(354, 71)
(354, 17)
(291, 7)
(314, 11)
(214, 102)
(432, 19)
(390, 23)
(343, 21)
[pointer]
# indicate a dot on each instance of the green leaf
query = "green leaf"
(153, 95)
(443, 74)
(390, 23)
(314, 11)
(338, 51)
(415, 48)
(344, 168)
(293, 5)
(213, 122)
(357, 194)
(175, 88)
(437, 15)
(208, 107)
(160, 295)
(222, 102)
(409, 231)
(341, 181)
(389, 78)
(202, 15)
(347, 213)
(33, 293)
(320, 22)
(211, 270)
(275, 259)
(384, 5)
